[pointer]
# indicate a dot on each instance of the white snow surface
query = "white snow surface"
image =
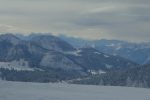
(106, 56)
(98, 53)
(17, 65)
(61, 91)
(98, 72)
(75, 53)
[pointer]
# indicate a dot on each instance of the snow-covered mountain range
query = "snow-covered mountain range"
(50, 51)
(137, 52)
(48, 58)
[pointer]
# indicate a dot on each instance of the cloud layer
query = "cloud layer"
(91, 19)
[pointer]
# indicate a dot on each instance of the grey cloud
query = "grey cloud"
(92, 19)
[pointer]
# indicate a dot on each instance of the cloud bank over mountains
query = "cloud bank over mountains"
(91, 19)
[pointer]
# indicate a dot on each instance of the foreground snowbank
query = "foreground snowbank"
(40, 91)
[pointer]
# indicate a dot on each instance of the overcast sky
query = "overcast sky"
(91, 19)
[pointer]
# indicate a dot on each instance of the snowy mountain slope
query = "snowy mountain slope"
(92, 59)
(53, 55)
(33, 53)
(36, 91)
(46, 51)
(10, 38)
(137, 52)
(51, 42)
(16, 65)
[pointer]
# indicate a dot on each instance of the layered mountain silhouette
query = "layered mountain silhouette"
(137, 52)
(48, 58)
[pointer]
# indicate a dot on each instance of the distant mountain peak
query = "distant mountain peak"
(9, 38)
(52, 42)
